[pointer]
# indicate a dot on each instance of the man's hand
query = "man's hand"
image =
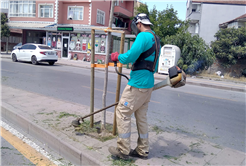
(114, 56)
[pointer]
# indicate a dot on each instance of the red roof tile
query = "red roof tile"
(242, 16)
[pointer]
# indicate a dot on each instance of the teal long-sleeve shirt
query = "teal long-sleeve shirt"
(140, 78)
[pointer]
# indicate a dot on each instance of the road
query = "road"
(11, 155)
(19, 148)
(211, 114)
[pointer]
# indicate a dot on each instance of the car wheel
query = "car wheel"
(14, 58)
(51, 63)
(34, 60)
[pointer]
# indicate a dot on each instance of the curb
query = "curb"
(69, 152)
(218, 87)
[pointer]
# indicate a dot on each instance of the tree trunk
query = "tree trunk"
(106, 68)
(7, 45)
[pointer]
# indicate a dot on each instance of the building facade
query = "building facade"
(15, 34)
(65, 25)
(206, 15)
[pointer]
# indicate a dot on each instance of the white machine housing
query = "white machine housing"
(169, 57)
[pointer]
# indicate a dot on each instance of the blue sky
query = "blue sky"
(179, 5)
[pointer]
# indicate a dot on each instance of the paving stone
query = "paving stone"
(243, 163)
(198, 152)
(228, 157)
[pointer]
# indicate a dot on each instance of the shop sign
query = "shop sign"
(64, 28)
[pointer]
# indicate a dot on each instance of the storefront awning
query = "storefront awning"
(26, 25)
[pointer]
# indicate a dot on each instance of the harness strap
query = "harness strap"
(141, 63)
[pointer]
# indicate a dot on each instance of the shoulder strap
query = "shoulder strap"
(157, 48)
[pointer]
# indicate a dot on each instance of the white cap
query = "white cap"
(143, 18)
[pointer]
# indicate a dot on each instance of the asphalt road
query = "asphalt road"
(11, 156)
(211, 114)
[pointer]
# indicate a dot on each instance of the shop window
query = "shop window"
(53, 40)
(82, 42)
(45, 11)
(100, 17)
(21, 8)
(75, 12)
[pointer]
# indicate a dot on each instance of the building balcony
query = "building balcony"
(122, 12)
(194, 17)
(4, 10)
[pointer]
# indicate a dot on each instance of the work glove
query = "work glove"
(114, 56)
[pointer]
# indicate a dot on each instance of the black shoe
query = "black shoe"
(117, 153)
(134, 153)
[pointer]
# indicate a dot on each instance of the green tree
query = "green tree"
(164, 22)
(230, 45)
(4, 29)
(195, 53)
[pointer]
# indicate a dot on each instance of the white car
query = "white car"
(17, 46)
(34, 53)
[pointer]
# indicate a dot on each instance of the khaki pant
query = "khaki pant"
(133, 100)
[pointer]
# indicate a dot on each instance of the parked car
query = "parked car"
(17, 46)
(34, 53)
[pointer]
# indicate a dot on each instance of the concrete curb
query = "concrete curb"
(218, 87)
(72, 154)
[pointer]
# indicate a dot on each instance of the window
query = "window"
(116, 3)
(32, 47)
(4, 4)
(45, 48)
(25, 46)
(75, 12)
(46, 11)
(54, 40)
(82, 43)
(21, 8)
(100, 17)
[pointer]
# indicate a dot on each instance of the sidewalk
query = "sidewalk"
(213, 83)
(46, 123)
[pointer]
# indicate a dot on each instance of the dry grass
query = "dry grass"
(96, 131)
(227, 77)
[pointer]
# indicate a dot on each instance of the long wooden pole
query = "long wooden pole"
(92, 75)
(117, 97)
(106, 67)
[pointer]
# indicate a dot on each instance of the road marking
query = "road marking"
(210, 96)
(115, 93)
(26, 150)
(24, 145)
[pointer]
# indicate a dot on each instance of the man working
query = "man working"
(144, 55)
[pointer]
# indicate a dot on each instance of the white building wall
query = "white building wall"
(214, 14)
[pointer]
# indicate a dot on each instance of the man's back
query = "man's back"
(140, 78)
